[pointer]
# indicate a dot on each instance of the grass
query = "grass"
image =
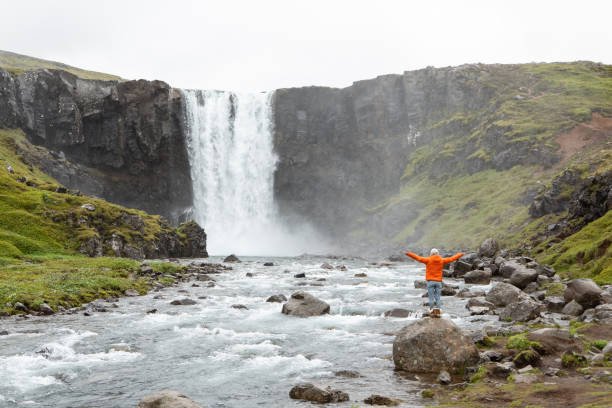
(520, 342)
(17, 64)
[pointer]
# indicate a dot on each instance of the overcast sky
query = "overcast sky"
(268, 44)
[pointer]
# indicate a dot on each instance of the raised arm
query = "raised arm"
(452, 258)
(416, 257)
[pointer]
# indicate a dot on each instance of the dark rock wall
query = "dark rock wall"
(342, 150)
(122, 141)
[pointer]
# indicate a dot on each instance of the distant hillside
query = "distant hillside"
(17, 63)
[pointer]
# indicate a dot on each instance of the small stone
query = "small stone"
(444, 377)
(238, 306)
(277, 298)
(326, 266)
(89, 207)
(525, 369)
(131, 292)
(268, 263)
(4, 332)
(151, 311)
(20, 306)
(10, 169)
(573, 308)
(347, 374)
(361, 275)
(299, 275)
(249, 275)
(45, 309)
(342, 268)
(525, 378)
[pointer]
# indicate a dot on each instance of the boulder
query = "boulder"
(268, 264)
(526, 358)
(325, 265)
(601, 314)
(310, 392)
(375, 399)
(45, 309)
(280, 298)
(502, 370)
(478, 277)
(488, 248)
(231, 258)
(522, 277)
(167, 399)
(554, 341)
(478, 302)
(444, 377)
(468, 293)
(304, 304)
(584, 291)
(521, 311)
(461, 267)
(503, 294)
(430, 345)
(507, 268)
(299, 275)
(573, 308)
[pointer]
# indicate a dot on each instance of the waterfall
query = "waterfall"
(232, 160)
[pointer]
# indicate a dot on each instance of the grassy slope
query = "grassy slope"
(460, 210)
(38, 258)
(17, 64)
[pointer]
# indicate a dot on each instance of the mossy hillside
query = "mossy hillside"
(587, 253)
(17, 64)
(35, 219)
(530, 105)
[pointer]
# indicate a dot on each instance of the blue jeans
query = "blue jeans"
(434, 289)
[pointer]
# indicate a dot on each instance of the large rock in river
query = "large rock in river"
(503, 294)
(430, 345)
(167, 399)
(304, 304)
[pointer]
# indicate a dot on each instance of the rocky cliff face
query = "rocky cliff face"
(121, 141)
(342, 150)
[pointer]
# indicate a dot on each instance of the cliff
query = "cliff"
(121, 141)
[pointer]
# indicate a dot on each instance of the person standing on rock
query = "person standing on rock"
(433, 275)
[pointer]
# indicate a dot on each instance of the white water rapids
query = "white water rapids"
(221, 356)
(232, 160)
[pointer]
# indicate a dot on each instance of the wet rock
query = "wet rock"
(428, 345)
(479, 310)
(584, 291)
(460, 268)
(478, 277)
(167, 399)
(239, 306)
(304, 304)
(361, 275)
(398, 313)
(493, 355)
(151, 311)
(277, 298)
(521, 311)
(268, 264)
(45, 309)
(376, 399)
(326, 266)
(89, 207)
(4, 333)
(502, 370)
(342, 268)
(553, 340)
(573, 308)
(554, 304)
(310, 392)
(479, 302)
(444, 377)
(299, 275)
(20, 307)
(249, 275)
(347, 374)
(231, 258)
(131, 292)
(503, 294)
(488, 248)
(448, 290)
(183, 302)
(523, 277)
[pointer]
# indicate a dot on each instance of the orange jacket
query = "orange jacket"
(434, 264)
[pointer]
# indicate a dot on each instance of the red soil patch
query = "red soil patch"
(598, 129)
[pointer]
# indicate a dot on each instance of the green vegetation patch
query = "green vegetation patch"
(17, 64)
(520, 342)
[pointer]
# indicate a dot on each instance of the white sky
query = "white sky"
(268, 44)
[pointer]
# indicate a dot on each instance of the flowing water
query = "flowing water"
(218, 355)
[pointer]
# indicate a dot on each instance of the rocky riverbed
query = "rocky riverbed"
(237, 337)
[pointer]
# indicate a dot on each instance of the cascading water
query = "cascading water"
(229, 141)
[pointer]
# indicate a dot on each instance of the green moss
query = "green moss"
(520, 342)
(570, 359)
(479, 375)
(555, 289)
(575, 327)
(486, 342)
(427, 393)
(598, 344)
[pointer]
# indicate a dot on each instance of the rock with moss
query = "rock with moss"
(376, 399)
(551, 340)
(571, 359)
(312, 393)
(429, 345)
